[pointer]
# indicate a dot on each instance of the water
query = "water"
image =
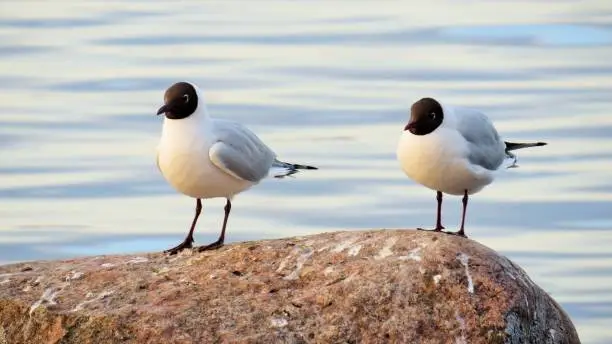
(323, 84)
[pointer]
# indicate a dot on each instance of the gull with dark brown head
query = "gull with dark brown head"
(452, 150)
(204, 157)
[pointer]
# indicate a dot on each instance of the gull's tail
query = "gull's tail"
(281, 169)
(510, 146)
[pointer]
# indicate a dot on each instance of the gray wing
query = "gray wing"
(239, 152)
(486, 148)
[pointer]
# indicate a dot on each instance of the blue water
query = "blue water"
(328, 84)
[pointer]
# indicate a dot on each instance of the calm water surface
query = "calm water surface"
(324, 84)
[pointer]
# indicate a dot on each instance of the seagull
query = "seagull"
(452, 150)
(204, 157)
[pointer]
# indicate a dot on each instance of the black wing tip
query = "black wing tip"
(303, 167)
(519, 145)
(293, 166)
(293, 169)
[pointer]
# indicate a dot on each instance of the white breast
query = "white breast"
(438, 161)
(183, 159)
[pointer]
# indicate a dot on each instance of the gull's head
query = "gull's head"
(180, 101)
(425, 116)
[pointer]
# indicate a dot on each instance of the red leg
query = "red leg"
(439, 226)
(217, 244)
(461, 231)
(188, 242)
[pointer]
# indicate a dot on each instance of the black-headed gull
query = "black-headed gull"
(204, 157)
(452, 150)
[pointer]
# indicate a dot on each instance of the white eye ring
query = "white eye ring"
(432, 115)
(186, 97)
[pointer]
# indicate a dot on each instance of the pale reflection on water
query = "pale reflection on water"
(322, 84)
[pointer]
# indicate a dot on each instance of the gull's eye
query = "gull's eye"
(432, 115)
(186, 98)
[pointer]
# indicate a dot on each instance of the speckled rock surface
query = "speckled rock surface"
(343, 287)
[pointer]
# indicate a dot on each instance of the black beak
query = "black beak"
(162, 109)
(410, 126)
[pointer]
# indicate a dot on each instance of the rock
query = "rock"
(399, 286)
